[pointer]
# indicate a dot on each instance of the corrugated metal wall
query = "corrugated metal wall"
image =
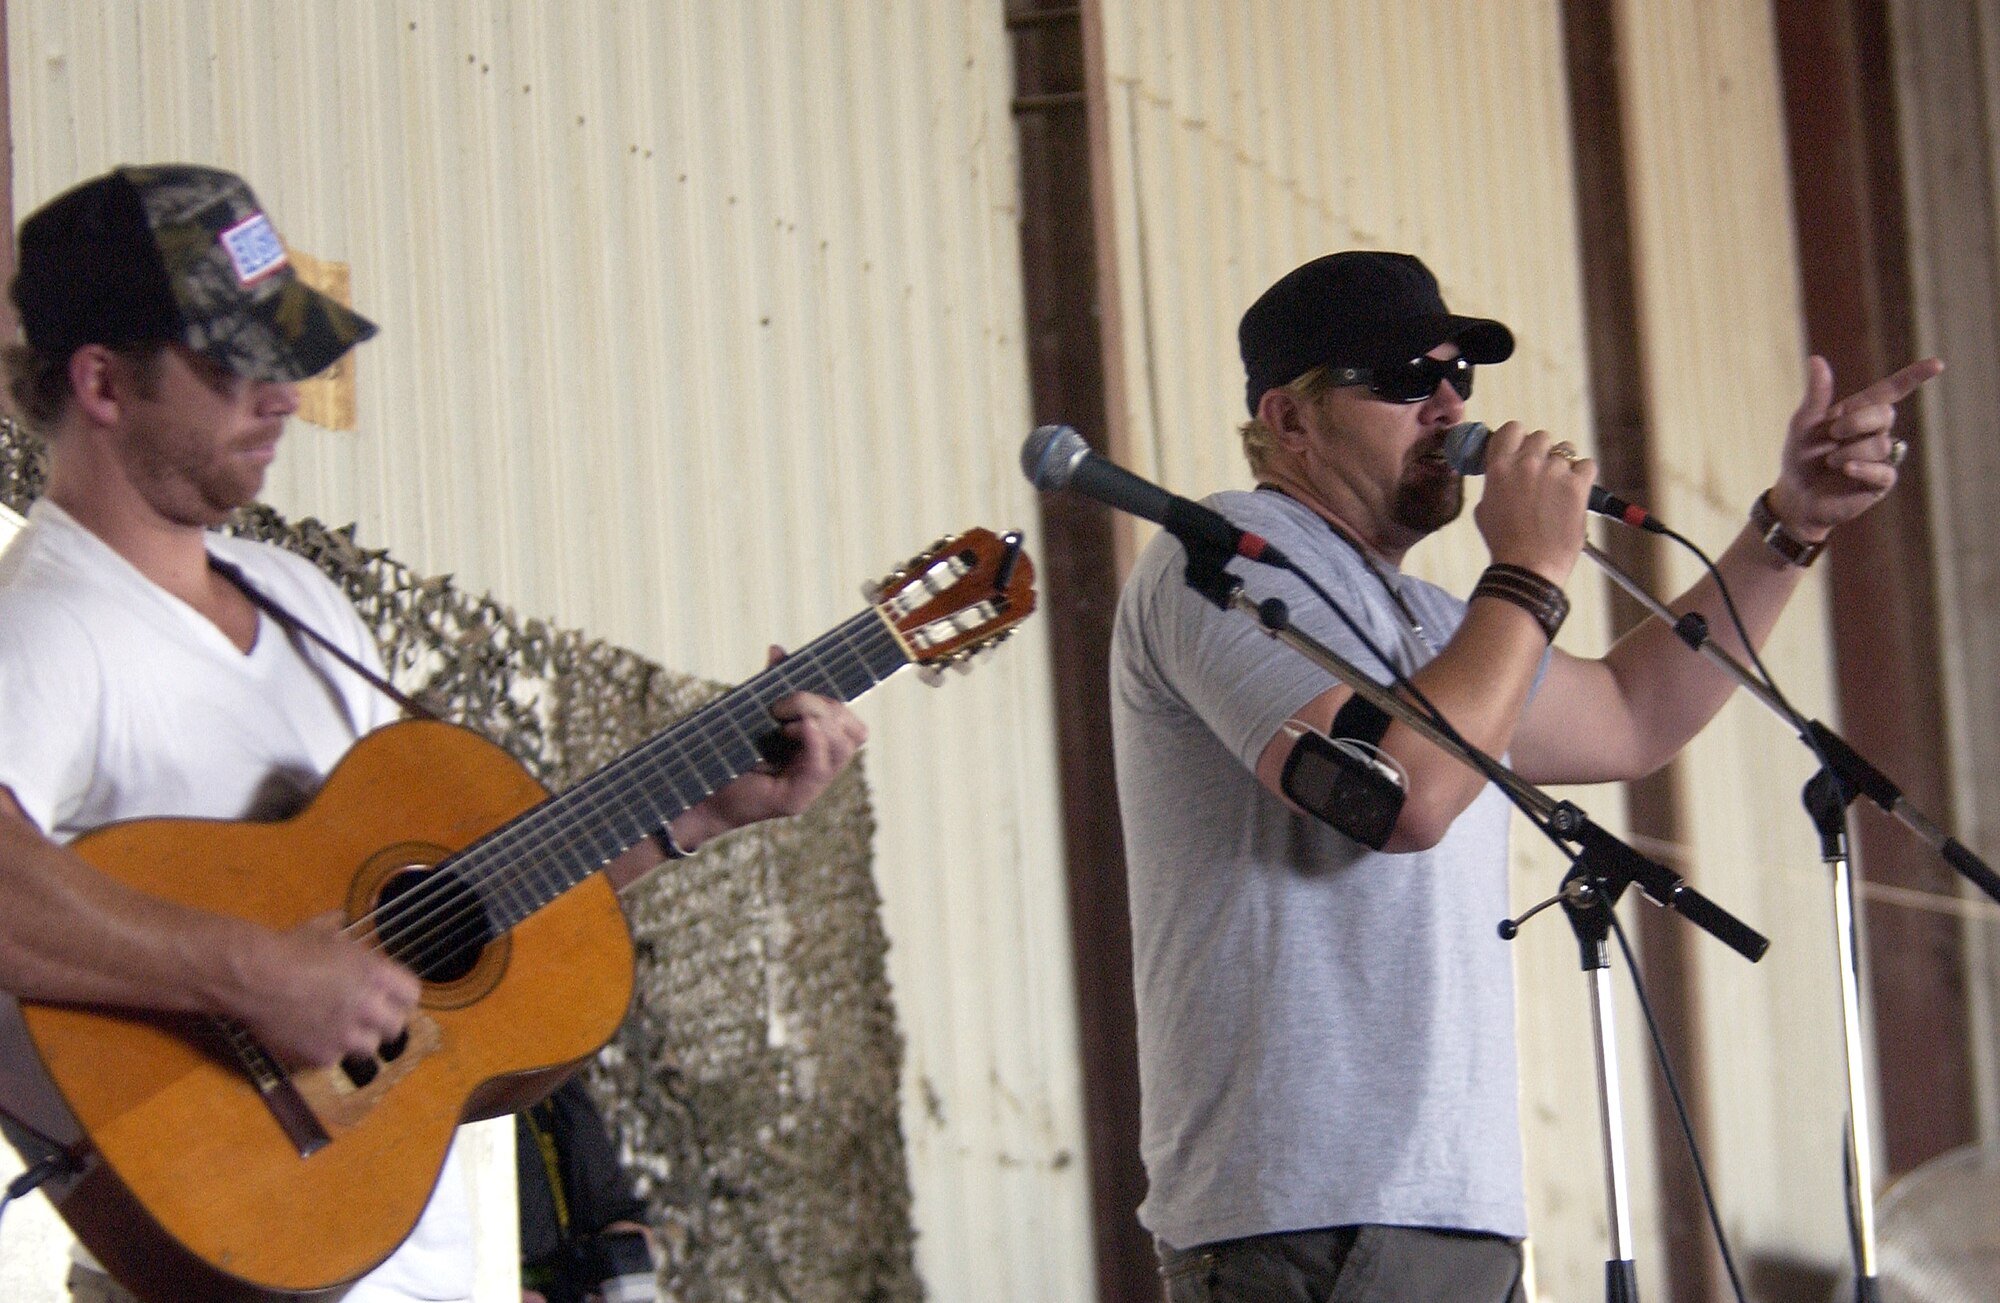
(694, 317)
(1245, 139)
(1724, 357)
(1948, 101)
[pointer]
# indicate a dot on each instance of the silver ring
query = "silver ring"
(1898, 450)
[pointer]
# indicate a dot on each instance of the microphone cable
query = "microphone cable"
(1798, 722)
(1764, 677)
(1665, 1064)
(57, 1162)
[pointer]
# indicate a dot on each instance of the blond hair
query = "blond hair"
(1260, 441)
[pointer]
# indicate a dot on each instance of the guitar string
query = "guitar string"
(509, 842)
(616, 797)
(447, 911)
(631, 789)
(561, 816)
(476, 892)
(523, 851)
(530, 877)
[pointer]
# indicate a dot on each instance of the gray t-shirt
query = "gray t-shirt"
(1326, 1033)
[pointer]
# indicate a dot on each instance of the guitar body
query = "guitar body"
(194, 1190)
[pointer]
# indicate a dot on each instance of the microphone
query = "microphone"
(1056, 457)
(1465, 450)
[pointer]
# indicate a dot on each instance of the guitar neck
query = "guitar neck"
(528, 862)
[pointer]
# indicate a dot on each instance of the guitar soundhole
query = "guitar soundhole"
(433, 922)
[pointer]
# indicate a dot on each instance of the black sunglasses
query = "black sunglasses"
(1409, 382)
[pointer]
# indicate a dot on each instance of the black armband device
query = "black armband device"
(1339, 783)
(1362, 720)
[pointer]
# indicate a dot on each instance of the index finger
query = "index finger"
(795, 707)
(1892, 388)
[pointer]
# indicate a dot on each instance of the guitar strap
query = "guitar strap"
(416, 709)
(270, 606)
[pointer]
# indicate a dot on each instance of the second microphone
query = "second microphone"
(1465, 452)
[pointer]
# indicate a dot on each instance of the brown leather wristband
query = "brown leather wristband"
(1527, 590)
(1784, 542)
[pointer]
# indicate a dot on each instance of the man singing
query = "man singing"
(1325, 1030)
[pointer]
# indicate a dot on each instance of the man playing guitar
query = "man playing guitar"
(166, 334)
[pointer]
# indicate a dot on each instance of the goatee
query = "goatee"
(1427, 502)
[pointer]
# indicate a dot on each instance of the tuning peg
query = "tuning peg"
(1009, 558)
(931, 674)
(871, 593)
(963, 664)
(923, 558)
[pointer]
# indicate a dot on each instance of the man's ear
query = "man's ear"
(98, 383)
(1283, 414)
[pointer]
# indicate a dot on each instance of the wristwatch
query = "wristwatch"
(1784, 542)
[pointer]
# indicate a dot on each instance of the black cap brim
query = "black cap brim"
(1480, 340)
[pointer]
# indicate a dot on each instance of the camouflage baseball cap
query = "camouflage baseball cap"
(177, 253)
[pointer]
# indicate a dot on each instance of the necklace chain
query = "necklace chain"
(1413, 626)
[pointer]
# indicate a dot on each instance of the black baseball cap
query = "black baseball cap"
(181, 254)
(1360, 308)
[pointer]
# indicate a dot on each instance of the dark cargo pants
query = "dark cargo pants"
(1347, 1264)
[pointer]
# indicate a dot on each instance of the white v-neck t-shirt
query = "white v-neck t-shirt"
(120, 701)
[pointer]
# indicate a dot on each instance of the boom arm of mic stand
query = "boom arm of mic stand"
(1852, 768)
(1608, 858)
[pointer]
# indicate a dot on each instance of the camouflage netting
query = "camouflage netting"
(754, 1086)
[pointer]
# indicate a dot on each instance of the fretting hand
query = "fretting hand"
(821, 736)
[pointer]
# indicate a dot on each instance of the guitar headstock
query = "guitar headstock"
(959, 597)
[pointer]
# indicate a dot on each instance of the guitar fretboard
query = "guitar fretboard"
(526, 863)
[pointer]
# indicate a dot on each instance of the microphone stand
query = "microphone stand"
(1602, 867)
(1844, 774)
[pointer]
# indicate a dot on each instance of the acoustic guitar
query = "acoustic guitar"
(211, 1171)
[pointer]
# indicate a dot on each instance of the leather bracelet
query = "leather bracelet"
(664, 835)
(1549, 610)
(1795, 550)
(1527, 590)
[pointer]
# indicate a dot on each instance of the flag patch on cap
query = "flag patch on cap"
(254, 248)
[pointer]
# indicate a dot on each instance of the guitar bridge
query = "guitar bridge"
(342, 1095)
(308, 1102)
